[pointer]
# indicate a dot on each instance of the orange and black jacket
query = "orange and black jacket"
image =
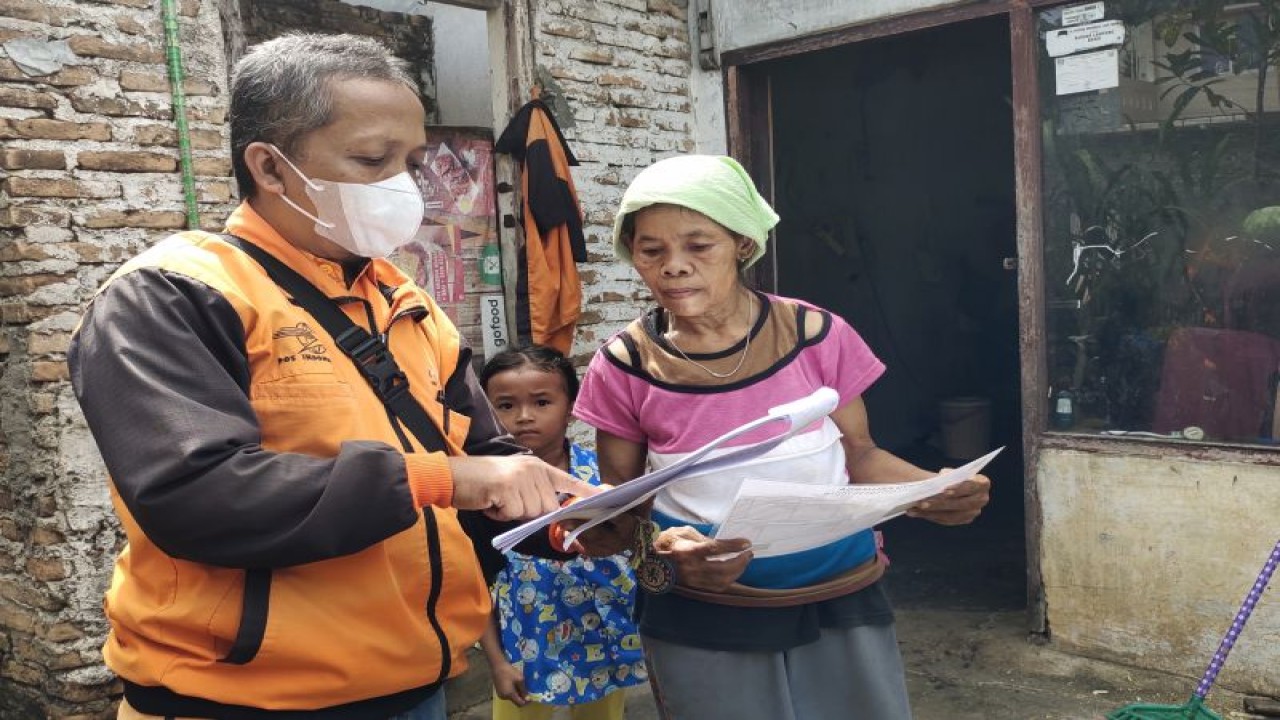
(291, 549)
(548, 289)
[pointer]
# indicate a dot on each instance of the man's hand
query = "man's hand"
(513, 487)
(958, 505)
(508, 683)
(690, 552)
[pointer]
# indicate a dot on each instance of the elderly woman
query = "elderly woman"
(806, 636)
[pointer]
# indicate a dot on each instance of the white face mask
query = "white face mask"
(368, 220)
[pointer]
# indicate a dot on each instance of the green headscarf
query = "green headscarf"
(714, 185)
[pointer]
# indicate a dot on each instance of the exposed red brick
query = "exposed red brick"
(32, 10)
(17, 251)
(66, 77)
(48, 343)
(213, 166)
(94, 46)
(127, 161)
(214, 115)
(16, 617)
(59, 187)
(119, 107)
(49, 371)
(19, 97)
(133, 26)
(43, 129)
(9, 530)
(22, 673)
(15, 216)
(594, 56)
(135, 81)
(667, 7)
(20, 285)
(59, 632)
(214, 191)
(46, 569)
(160, 219)
(166, 135)
(622, 80)
(33, 160)
(566, 28)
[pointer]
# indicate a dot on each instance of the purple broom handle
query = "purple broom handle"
(1246, 609)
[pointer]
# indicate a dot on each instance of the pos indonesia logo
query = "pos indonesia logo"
(309, 346)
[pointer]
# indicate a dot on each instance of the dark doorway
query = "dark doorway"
(892, 169)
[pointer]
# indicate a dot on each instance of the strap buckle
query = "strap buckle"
(373, 359)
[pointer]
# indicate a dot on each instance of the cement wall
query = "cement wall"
(1146, 561)
(744, 24)
(463, 83)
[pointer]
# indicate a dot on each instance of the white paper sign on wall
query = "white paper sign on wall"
(493, 325)
(1090, 71)
(1085, 37)
(1080, 14)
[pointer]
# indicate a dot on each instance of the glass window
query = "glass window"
(1161, 152)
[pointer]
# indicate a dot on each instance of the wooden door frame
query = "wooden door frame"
(749, 129)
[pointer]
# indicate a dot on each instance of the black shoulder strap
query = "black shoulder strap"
(370, 354)
(633, 351)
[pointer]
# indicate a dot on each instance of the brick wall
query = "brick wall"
(88, 177)
(622, 67)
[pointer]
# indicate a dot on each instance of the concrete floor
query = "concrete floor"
(974, 665)
(960, 595)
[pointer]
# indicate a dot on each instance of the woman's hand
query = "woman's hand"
(957, 505)
(690, 552)
(508, 683)
(610, 537)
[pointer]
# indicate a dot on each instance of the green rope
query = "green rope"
(173, 54)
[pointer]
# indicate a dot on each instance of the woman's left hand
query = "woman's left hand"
(957, 505)
(691, 553)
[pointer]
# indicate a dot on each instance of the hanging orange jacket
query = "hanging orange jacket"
(548, 292)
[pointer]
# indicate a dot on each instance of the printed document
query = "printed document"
(783, 517)
(791, 418)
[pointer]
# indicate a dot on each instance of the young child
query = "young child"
(567, 635)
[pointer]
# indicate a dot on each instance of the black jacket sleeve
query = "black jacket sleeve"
(486, 437)
(159, 367)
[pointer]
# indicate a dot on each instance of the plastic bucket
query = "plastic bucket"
(965, 423)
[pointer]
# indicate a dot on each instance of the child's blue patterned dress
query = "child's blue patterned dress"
(568, 625)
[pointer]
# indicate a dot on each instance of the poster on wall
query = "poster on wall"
(1090, 71)
(460, 228)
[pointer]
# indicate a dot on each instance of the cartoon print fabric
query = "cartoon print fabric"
(568, 625)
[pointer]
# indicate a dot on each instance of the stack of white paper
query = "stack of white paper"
(599, 508)
(786, 517)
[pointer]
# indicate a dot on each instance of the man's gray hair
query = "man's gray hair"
(280, 89)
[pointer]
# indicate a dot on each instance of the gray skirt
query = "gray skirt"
(848, 674)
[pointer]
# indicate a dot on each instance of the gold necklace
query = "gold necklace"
(741, 359)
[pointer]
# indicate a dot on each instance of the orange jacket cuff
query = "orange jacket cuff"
(430, 479)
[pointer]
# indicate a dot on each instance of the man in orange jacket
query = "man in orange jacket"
(295, 548)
